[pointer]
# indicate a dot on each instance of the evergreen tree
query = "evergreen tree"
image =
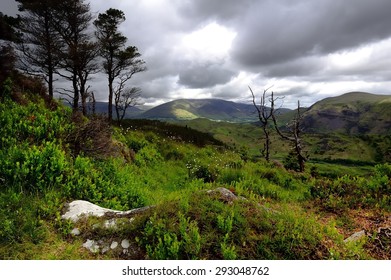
(119, 61)
(40, 41)
(78, 58)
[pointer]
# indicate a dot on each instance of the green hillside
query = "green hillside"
(352, 113)
(208, 200)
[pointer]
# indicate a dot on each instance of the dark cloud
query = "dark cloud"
(275, 31)
(300, 67)
(307, 49)
(204, 75)
(205, 10)
(9, 7)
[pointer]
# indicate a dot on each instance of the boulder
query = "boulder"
(81, 208)
(224, 194)
(355, 236)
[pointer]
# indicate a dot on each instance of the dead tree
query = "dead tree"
(294, 137)
(124, 98)
(264, 115)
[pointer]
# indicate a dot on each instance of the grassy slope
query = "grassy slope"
(352, 154)
(285, 215)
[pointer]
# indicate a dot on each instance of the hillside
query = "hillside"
(213, 109)
(351, 113)
(200, 199)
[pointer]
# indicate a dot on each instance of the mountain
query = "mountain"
(352, 113)
(213, 109)
(101, 108)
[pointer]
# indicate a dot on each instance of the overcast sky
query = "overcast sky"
(303, 49)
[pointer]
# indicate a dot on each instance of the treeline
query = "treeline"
(53, 40)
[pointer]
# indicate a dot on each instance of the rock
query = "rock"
(75, 232)
(80, 208)
(114, 245)
(355, 236)
(225, 194)
(105, 249)
(91, 245)
(125, 244)
(112, 223)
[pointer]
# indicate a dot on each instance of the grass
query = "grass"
(281, 214)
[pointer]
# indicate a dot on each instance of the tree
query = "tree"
(8, 26)
(40, 41)
(7, 62)
(7, 53)
(78, 58)
(125, 99)
(295, 139)
(118, 61)
(264, 115)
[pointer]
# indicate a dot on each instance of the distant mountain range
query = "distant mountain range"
(213, 109)
(352, 113)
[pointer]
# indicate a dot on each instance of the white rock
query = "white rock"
(125, 244)
(355, 237)
(112, 223)
(79, 208)
(105, 249)
(75, 232)
(91, 245)
(114, 245)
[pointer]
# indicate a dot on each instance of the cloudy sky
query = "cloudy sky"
(303, 49)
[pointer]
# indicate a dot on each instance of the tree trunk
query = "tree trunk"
(110, 108)
(76, 93)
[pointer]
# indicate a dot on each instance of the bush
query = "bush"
(163, 244)
(19, 221)
(147, 156)
(90, 137)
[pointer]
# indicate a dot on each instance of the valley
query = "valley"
(207, 191)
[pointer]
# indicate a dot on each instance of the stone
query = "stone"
(355, 236)
(79, 208)
(114, 245)
(75, 232)
(91, 245)
(112, 223)
(125, 244)
(225, 194)
(105, 249)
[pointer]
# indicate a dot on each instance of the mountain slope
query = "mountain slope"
(214, 109)
(352, 113)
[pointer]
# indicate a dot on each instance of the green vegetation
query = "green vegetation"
(276, 213)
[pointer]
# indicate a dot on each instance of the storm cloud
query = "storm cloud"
(304, 49)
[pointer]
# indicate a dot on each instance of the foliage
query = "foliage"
(275, 216)
(348, 192)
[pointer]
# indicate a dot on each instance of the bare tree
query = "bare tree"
(294, 136)
(264, 115)
(125, 99)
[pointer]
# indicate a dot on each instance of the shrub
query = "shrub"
(19, 221)
(161, 243)
(33, 168)
(147, 156)
(90, 137)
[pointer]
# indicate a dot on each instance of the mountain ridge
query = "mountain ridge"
(351, 113)
(213, 109)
